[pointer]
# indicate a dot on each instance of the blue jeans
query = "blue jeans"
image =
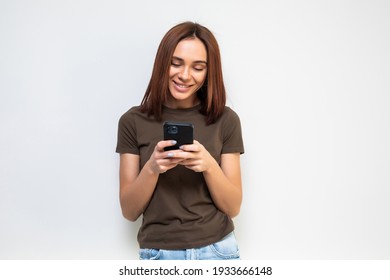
(225, 249)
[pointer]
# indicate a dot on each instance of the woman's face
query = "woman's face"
(187, 73)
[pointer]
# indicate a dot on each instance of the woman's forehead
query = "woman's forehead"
(191, 49)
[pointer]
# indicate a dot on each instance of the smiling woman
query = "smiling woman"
(187, 73)
(211, 94)
(187, 196)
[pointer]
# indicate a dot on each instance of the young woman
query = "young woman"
(187, 196)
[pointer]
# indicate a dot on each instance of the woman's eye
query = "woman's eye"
(175, 64)
(199, 68)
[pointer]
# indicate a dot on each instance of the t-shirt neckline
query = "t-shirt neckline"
(172, 110)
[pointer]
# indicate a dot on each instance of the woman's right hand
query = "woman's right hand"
(137, 186)
(161, 161)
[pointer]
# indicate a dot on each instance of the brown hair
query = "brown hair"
(212, 94)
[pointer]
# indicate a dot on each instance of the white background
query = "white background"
(309, 79)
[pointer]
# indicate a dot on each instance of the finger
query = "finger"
(173, 154)
(169, 161)
(195, 147)
(176, 155)
(165, 143)
(174, 161)
(183, 155)
(189, 162)
(161, 155)
(168, 166)
(189, 148)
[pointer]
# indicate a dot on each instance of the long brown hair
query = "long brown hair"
(212, 94)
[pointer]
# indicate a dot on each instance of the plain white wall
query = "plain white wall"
(309, 79)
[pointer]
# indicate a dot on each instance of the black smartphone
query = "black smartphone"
(183, 133)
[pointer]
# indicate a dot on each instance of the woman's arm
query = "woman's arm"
(137, 186)
(224, 182)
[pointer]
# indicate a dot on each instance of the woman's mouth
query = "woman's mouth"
(181, 87)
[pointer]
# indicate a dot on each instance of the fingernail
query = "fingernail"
(170, 154)
(173, 142)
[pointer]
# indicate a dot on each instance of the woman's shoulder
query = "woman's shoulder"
(229, 110)
(132, 116)
(229, 114)
(133, 113)
(135, 110)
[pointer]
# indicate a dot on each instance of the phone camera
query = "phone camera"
(173, 129)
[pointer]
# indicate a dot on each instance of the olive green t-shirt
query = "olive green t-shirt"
(181, 213)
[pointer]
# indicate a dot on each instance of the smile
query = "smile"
(181, 85)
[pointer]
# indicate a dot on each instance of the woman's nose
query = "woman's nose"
(184, 74)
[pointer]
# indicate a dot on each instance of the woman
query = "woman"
(187, 196)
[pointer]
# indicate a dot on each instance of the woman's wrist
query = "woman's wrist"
(211, 166)
(150, 168)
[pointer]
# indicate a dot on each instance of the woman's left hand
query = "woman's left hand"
(223, 181)
(196, 157)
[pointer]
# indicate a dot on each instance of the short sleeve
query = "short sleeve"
(232, 134)
(127, 135)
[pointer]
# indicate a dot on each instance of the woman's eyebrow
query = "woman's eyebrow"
(182, 60)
